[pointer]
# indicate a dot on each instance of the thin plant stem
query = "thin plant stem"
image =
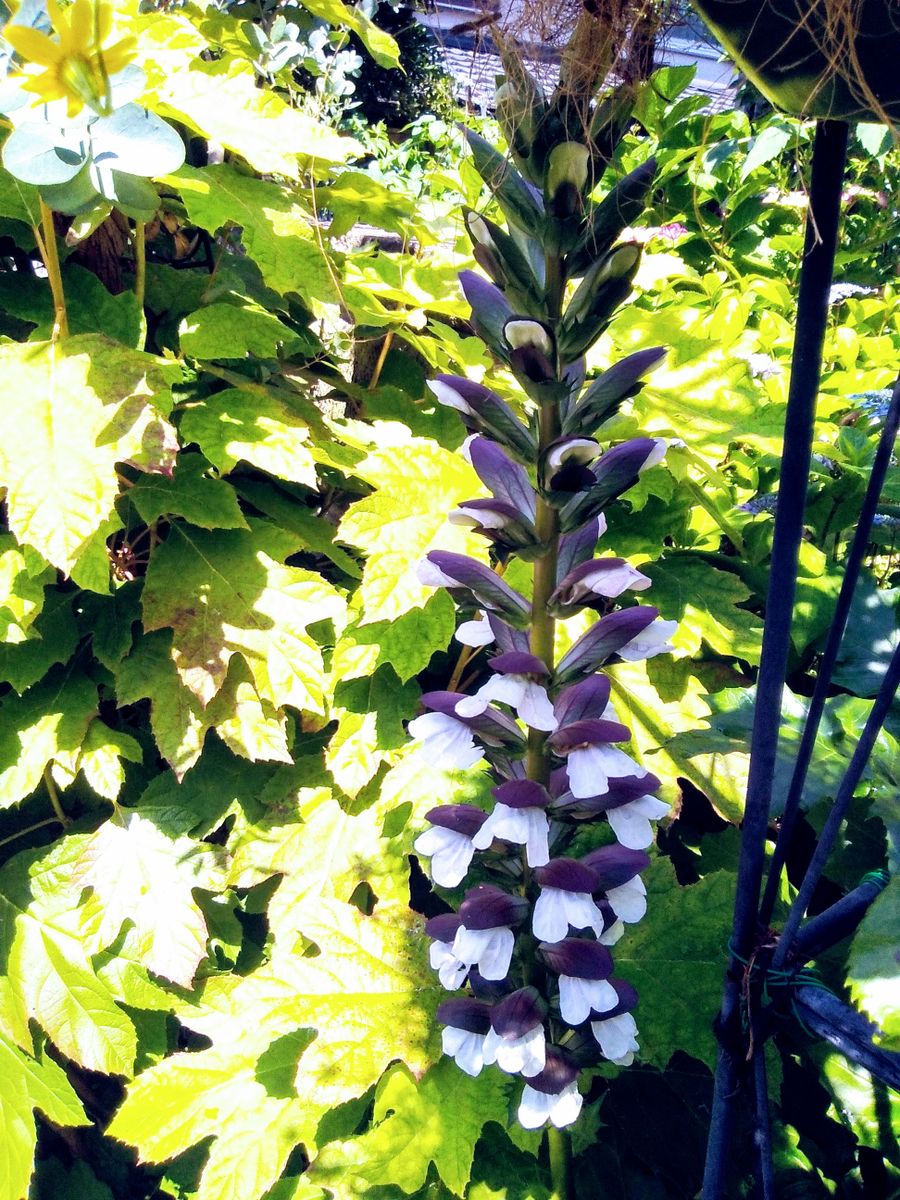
(382, 358)
(560, 1162)
(20, 833)
(462, 662)
(829, 656)
(46, 239)
(53, 793)
(140, 262)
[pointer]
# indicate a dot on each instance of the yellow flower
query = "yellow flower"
(74, 66)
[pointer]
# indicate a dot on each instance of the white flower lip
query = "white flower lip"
(446, 742)
(537, 1108)
(521, 332)
(475, 633)
(528, 827)
(652, 641)
(449, 397)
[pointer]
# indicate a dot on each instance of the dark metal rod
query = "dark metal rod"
(829, 656)
(762, 1128)
(829, 154)
(836, 922)
(852, 776)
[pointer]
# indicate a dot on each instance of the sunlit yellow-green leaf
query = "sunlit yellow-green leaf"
(69, 412)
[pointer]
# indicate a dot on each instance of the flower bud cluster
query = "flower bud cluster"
(547, 880)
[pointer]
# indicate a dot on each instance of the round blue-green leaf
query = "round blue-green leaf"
(41, 153)
(74, 197)
(136, 141)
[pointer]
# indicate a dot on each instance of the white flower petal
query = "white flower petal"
(534, 1108)
(616, 1035)
(629, 902)
(475, 633)
(431, 575)
(630, 827)
(527, 827)
(535, 708)
(450, 852)
(444, 741)
(585, 770)
(652, 641)
(566, 1106)
(578, 996)
(465, 1047)
(611, 935)
(549, 921)
(451, 971)
(488, 949)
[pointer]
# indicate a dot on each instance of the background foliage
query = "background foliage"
(212, 976)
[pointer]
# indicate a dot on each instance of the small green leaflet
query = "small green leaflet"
(49, 721)
(191, 492)
(439, 1120)
(224, 331)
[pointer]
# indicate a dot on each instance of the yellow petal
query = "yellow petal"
(33, 46)
(81, 26)
(119, 55)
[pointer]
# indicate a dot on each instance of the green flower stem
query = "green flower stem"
(46, 239)
(140, 262)
(558, 1146)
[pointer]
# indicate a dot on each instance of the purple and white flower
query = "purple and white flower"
(552, 1095)
(485, 938)
(566, 898)
(591, 761)
(519, 816)
(514, 682)
(584, 968)
(615, 1029)
(444, 741)
(618, 871)
(515, 1041)
(466, 1022)
(597, 580)
(449, 843)
(451, 970)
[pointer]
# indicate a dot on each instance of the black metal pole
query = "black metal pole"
(829, 655)
(829, 154)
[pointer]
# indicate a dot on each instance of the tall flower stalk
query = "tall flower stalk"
(547, 880)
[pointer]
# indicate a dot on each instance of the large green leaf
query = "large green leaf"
(237, 425)
(29, 1083)
(249, 725)
(223, 331)
(705, 602)
(275, 227)
(406, 643)
(439, 1120)
(676, 958)
(215, 1093)
(222, 595)
(140, 875)
(416, 484)
(45, 952)
(69, 411)
(367, 997)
